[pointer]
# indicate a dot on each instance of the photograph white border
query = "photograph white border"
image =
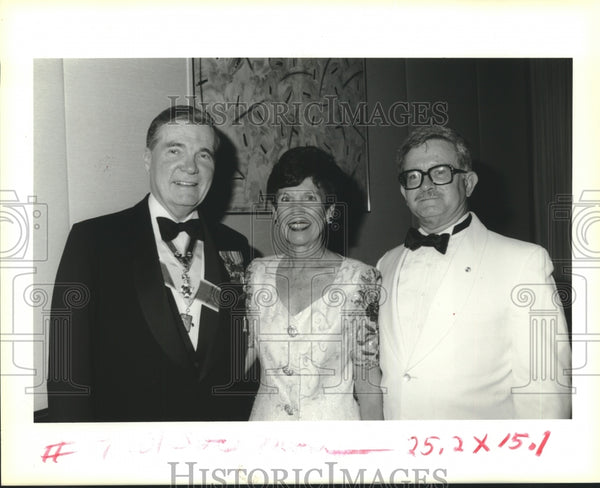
(140, 453)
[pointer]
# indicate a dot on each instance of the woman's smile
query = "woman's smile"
(299, 224)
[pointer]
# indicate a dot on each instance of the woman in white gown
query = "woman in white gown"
(312, 314)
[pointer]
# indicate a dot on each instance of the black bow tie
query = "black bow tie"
(169, 230)
(414, 239)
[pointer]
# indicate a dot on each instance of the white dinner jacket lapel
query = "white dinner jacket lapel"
(393, 338)
(452, 297)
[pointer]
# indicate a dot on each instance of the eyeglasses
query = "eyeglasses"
(442, 174)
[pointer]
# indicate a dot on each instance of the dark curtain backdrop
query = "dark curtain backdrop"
(551, 94)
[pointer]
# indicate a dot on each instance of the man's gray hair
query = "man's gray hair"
(180, 113)
(423, 134)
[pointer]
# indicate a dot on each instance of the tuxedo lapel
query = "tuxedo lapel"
(214, 272)
(151, 290)
(454, 291)
(393, 339)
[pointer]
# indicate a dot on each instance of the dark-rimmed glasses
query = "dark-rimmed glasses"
(442, 174)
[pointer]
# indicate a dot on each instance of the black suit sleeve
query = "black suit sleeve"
(69, 369)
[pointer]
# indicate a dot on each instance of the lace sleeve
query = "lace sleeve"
(366, 350)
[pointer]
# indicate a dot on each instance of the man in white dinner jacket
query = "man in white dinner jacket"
(471, 327)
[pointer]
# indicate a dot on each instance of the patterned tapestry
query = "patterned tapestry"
(266, 106)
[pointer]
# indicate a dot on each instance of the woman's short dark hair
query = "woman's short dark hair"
(299, 163)
(179, 113)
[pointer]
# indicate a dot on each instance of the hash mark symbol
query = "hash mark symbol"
(57, 451)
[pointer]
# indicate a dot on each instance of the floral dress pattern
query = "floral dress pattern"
(306, 360)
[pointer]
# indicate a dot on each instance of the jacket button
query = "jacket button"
(288, 409)
(406, 378)
(288, 371)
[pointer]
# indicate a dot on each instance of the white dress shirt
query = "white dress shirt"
(175, 268)
(422, 271)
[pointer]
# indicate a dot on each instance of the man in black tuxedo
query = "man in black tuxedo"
(147, 314)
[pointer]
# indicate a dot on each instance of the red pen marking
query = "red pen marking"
(55, 449)
(217, 441)
(345, 452)
(280, 447)
(518, 442)
(512, 441)
(481, 443)
(412, 451)
(458, 448)
(189, 443)
(504, 441)
(105, 453)
(543, 443)
(152, 446)
(429, 445)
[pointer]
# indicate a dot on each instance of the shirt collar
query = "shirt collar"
(450, 228)
(157, 210)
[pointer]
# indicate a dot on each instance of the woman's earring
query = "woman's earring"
(330, 215)
(329, 218)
